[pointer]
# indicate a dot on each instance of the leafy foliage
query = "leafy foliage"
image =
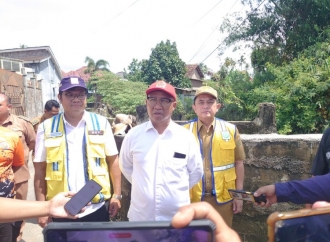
(280, 29)
(164, 63)
(135, 73)
(300, 91)
(122, 96)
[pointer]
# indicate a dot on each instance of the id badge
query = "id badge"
(225, 135)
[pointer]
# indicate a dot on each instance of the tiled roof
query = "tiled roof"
(191, 69)
(79, 72)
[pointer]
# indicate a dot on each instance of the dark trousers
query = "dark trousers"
(6, 232)
(100, 215)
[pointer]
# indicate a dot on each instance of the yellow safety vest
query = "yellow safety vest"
(222, 161)
(94, 161)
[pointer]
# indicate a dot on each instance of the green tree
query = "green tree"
(92, 66)
(279, 29)
(122, 96)
(135, 73)
(165, 63)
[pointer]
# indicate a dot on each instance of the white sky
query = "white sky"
(116, 30)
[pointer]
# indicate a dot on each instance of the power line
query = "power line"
(123, 11)
(118, 14)
(207, 12)
(203, 45)
(227, 36)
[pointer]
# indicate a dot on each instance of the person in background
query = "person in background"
(52, 108)
(223, 154)
(11, 159)
(160, 159)
(74, 147)
(24, 129)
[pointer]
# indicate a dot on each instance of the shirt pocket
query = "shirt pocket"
(96, 144)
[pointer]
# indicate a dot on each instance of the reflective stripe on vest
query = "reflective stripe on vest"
(222, 168)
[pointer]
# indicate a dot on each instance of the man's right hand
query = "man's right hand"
(43, 221)
(269, 192)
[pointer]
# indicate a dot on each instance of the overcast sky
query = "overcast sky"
(116, 30)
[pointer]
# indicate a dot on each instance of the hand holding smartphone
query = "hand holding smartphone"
(247, 196)
(299, 225)
(82, 197)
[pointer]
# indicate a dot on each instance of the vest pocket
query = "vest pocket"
(53, 175)
(229, 179)
(227, 151)
(53, 149)
(96, 146)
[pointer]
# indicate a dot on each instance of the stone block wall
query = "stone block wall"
(272, 158)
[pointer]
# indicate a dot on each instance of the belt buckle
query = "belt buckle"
(207, 194)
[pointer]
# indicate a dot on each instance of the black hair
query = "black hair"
(50, 104)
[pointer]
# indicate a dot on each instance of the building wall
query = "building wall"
(50, 80)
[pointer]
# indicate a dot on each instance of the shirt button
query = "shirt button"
(207, 169)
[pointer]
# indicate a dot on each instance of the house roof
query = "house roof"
(32, 55)
(191, 69)
(79, 72)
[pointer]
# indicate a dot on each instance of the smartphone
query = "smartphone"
(197, 230)
(247, 196)
(300, 225)
(82, 197)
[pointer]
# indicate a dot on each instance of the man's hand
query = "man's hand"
(203, 210)
(56, 206)
(269, 192)
(43, 221)
(114, 207)
(237, 206)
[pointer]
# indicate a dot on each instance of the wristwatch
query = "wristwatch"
(119, 197)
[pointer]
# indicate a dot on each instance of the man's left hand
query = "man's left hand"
(237, 206)
(114, 207)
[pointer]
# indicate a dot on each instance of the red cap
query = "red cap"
(162, 86)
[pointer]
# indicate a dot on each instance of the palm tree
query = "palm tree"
(23, 46)
(92, 66)
(100, 65)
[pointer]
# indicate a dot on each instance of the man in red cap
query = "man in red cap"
(160, 158)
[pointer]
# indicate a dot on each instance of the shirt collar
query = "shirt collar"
(83, 119)
(169, 127)
(200, 124)
(9, 119)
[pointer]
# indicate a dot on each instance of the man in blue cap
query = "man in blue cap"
(74, 147)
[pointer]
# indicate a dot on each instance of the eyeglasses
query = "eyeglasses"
(165, 102)
(71, 96)
(209, 103)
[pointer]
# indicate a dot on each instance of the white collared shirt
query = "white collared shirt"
(74, 138)
(161, 169)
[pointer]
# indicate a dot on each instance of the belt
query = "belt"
(209, 194)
